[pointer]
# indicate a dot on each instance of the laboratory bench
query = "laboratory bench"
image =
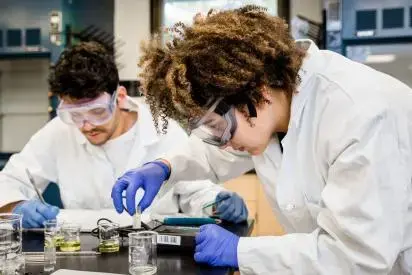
(168, 261)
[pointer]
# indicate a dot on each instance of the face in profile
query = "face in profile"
(96, 118)
(254, 135)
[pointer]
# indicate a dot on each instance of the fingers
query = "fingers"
(223, 206)
(200, 246)
(29, 223)
(149, 195)
(240, 217)
(34, 219)
(237, 213)
(117, 192)
(200, 237)
(232, 209)
(245, 214)
(200, 257)
(35, 213)
(223, 195)
(131, 194)
(228, 214)
(146, 201)
(203, 233)
(49, 212)
(207, 241)
(206, 227)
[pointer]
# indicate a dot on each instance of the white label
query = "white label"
(168, 239)
(137, 221)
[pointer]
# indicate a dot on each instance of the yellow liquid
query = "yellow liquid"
(109, 246)
(58, 240)
(70, 246)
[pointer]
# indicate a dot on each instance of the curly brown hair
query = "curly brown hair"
(85, 70)
(229, 54)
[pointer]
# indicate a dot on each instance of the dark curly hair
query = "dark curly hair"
(229, 54)
(84, 71)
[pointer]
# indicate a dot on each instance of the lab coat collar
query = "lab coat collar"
(310, 66)
(145, 129)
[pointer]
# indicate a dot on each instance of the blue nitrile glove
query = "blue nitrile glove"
(231, 207)
(35, 213)
(216, 246)
(149, 177)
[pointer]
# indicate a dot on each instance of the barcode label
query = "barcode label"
(168, 239)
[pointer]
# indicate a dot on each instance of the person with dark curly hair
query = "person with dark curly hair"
(99, 133)
(340, 180)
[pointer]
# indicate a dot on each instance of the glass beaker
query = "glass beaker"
(11, 257)
(142, 254)
(109, 237)
(71, 237)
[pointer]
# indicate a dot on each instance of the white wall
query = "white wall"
(312, 9)
(131, 25)
(23, 101)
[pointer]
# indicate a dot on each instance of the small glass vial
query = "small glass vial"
(109, 237)
(137, 218)
(51, 228)
(71, 237)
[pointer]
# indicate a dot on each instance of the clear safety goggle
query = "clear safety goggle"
(96, 112)
(217, 126)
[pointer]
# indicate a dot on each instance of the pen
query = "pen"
(34, 186)
(212, 203)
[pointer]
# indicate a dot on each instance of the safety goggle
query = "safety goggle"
(96, 112)
(218, 124)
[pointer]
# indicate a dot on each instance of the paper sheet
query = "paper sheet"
(77, 272)
(88, 218)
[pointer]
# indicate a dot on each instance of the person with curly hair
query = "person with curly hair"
(99, 133)
(340, 180)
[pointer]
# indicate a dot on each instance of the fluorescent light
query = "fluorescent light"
(365, 33)
(380, 58)
(55, 19)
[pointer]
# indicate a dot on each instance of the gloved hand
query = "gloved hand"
(149, 177)
(35, 213)
(216, 246)
(231, 207)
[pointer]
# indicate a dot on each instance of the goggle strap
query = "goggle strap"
(231, 126)
(251, 108)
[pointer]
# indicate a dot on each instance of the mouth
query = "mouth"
(93, 134)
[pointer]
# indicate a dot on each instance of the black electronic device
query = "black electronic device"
(172, 237)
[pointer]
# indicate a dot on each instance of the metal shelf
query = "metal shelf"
(24, 55)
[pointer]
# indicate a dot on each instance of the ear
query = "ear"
(267, 93)
(121, 96)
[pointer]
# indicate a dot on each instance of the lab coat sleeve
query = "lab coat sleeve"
(193, 196)
(197, 160)
(38, 157)
(361, 224)
(190, 195)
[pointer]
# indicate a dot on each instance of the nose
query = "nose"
(87, 126)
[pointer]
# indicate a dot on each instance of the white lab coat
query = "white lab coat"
(60, 153)
(342, 188)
